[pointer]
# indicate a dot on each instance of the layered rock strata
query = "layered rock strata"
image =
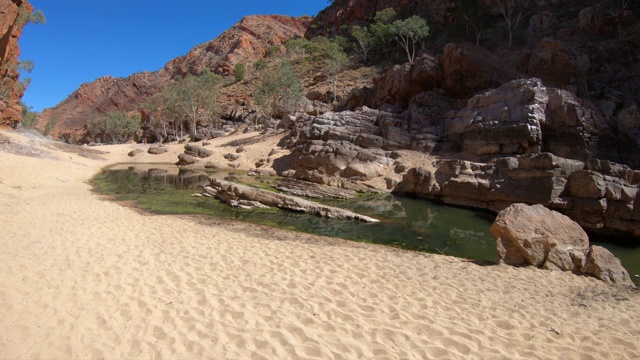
(601, 196)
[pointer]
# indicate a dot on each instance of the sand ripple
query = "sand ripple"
(86, 278)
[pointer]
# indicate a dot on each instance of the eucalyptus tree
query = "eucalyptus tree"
(409, 33)
(194, 98)
(279, 90)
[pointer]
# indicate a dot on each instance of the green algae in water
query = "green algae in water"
(405, 223)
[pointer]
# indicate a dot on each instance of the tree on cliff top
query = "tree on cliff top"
(409, 33)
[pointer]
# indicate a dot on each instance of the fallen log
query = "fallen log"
(245, 197)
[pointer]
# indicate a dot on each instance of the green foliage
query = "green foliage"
(409, 33)
(116, 126)
(10, 84)
(386, 16)
(363, 41)
(239, 72)
(472, 16)
(336, 61)
(194, 98)
(279, 90)
(272, 51)
(26, 17)
(29, 118)
(381, 33)
(50, 125)
(300, 46)
(260, 65)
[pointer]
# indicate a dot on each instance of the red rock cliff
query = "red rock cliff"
(10, 31)
(245, 42)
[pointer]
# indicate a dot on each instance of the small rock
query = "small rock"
(157, 150)
(231, 157)
(135, 152)
(184, 159)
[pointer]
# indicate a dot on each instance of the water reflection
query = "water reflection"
(406, 223)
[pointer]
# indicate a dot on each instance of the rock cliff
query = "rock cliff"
(245, 42)
(10, 31)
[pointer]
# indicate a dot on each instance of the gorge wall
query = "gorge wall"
(245, 42)
(10, 31)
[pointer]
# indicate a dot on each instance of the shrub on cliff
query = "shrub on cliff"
(239, 72)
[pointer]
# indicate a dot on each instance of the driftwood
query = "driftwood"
(248, 197)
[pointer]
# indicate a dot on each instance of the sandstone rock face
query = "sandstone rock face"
(535, 235)
(527, 234)
(245, 42)
(402, 82)
(601, 196)
(523, 116)
(10, 32)
(552, 62)
(468, 68)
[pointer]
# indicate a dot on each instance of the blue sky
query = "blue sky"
(87, 39)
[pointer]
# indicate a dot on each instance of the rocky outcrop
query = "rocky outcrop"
(248, 197)
(601, 196)
(402, 82)
(245, 42)
(10, 31)
(523, 116)
(535, 235)
(468, 68)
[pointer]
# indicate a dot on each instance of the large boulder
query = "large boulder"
(526, 235)
(603, 265)
(535, 235)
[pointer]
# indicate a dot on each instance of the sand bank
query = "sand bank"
(83, 277)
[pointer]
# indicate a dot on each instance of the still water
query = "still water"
(404, 222)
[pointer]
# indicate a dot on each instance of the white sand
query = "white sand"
(82, 277)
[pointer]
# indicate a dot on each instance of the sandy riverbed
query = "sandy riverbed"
(83, 277)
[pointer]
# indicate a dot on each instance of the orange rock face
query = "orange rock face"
(10, 32)
(245, 42)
